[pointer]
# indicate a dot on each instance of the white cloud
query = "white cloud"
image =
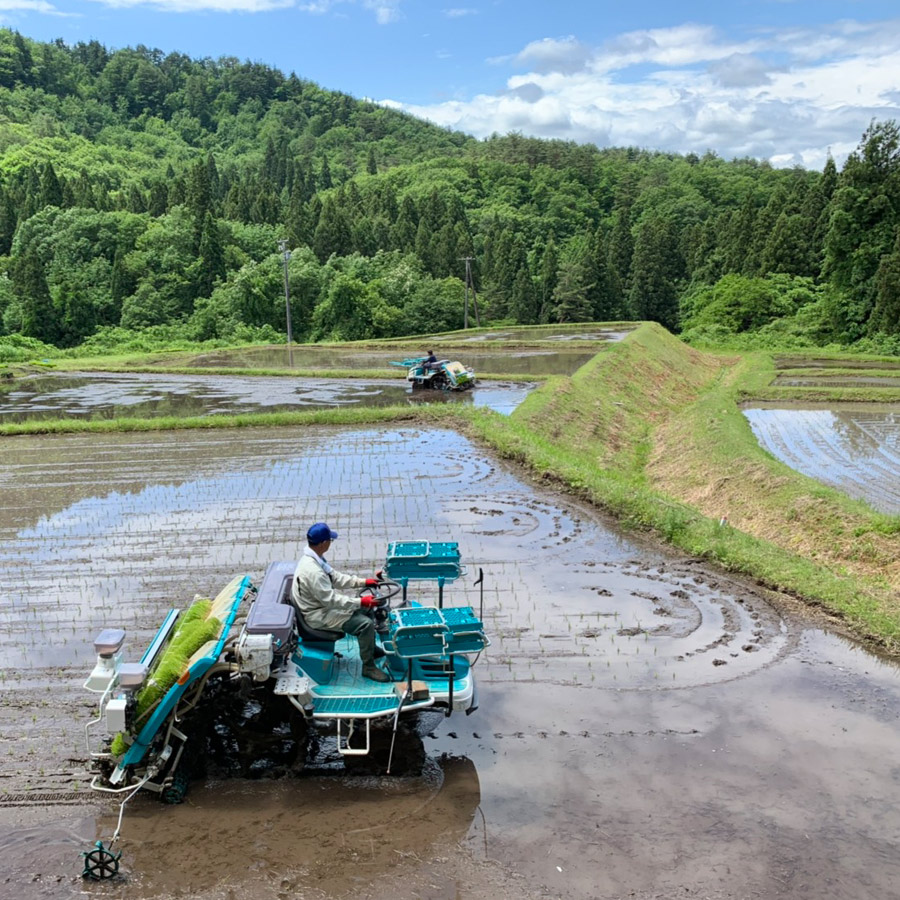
(565, 55)
(386, 11)
(459, 12)
(788, 96)
(180, 6)
(39, 6)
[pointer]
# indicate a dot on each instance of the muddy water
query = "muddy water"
(516, 362)
(99, 396)
(647, 728)
(854, 447)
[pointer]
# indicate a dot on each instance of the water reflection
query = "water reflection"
(519, 362)
(800, 362)
(849, 381)
(99, 396)
(853, 447)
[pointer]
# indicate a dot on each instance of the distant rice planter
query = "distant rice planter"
(443, 375)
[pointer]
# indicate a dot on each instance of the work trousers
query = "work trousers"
(362, 626)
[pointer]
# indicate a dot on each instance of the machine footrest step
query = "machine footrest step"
(330, 707)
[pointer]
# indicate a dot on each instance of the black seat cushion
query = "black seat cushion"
(306, 631)
(315, 634)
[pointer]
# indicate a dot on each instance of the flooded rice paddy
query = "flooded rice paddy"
(854, 447)
(540, 333)
(647, 727)
(102, 396)
(849, 381)
(530, 361)
(844, 362)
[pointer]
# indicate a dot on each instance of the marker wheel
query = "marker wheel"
(100, 863)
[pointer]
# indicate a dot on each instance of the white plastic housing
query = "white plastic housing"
(255, 653)
(115, 715)
(132, 675)
(104, 672)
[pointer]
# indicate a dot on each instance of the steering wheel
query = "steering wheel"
(383, 592)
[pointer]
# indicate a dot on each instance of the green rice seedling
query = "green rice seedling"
(194, 630)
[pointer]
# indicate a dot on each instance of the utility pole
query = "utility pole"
(286, 256)
(468, 260)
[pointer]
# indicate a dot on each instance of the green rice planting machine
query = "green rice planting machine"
(242, 677)
(442, 375)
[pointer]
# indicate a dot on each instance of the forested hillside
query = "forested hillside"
(142, 192)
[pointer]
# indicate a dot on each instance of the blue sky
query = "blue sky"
(784, 80)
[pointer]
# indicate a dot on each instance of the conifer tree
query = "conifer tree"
(656, 269)
(546, 283)
(523, 302)
(212, 257)
(51, 192)
(325, 182)
(158, 201)
(39, 318)
(571, 302)
(885, 316)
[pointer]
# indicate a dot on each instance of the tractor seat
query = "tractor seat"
(307, 633)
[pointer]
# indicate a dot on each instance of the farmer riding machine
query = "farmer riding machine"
(441, 375)
(243, 677)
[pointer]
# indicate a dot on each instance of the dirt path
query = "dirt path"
(647, 728)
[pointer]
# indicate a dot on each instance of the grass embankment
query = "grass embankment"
(338, 416)
(652, 431)
(757, 383)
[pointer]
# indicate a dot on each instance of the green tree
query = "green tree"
(51, 190)
(885, 316)
(865, 214)
(39, 318)
(523, 301)
(571, 296)
(656, 269)
(211, 257)
(546, 282)
(332, 233)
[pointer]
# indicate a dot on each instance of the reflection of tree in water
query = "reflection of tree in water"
(869, 434)
(853, 448)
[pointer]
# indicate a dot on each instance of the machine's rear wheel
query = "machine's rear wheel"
(408, 757)
(259, 736)
(176, 790)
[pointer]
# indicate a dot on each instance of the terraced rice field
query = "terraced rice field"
(853, 447)
(648, 728)
(110, 396)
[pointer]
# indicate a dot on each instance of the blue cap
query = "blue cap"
(319, 533)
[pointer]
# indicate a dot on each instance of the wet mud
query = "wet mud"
(101, 396)
(647, 726)
(854, 447)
